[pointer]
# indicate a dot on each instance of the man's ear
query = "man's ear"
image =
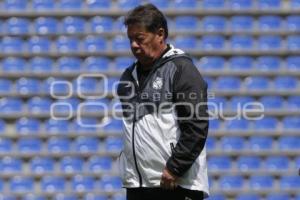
(161, 33)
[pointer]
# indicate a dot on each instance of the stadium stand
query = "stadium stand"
(247, 51)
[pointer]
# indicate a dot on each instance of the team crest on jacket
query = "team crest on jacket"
(157, 83)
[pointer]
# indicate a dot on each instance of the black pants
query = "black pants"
(162, 194)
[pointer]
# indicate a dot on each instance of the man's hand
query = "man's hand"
(168, 180)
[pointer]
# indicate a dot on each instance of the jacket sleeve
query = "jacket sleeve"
(190, 93)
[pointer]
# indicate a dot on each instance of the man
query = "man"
(163, 99)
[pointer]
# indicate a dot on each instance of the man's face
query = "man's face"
(145, 46)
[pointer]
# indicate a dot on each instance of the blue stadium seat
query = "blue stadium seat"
(43, 5)
(210, 82)
(58, 85)
(94, 44)
(246, 163)
(160, 4)
(28, 86)
(70, 4)
(86, 144)
(113, 126)
(232, 143)
(67, 44)
(58, 145)
(214, 23)
(240, 4)
(257, 83)
(69, 64)
(13, 65)
(293, 63)
(210, 143)
(8, 197)
(213, 42)
(39, 105)
(293, 102)
(128, 4)
(29, 145)
(71, 164)
(121, 63)
(15, 5)
(101, 24)
(290, 182)
(269, 4)
(27, 125)
(113, 144)
(269, 23)
(293, 42)
(242, 23)
(40, 65)
(277, 196)
(85, 85)
(12, 44)
(85, 125)
(186, 23)
(266, 123)
(241, 63)
(212, 63)
(110, 183)
(237, 125)
(119, 25)
(272, 102)
(219, 163)
(258, 143)
(213, 4)
(9, 105)
(241, 42)
(185, 4)
(120, 43)
(96, 64)
(56, 126)
(42, 165)
(6, 85)
(21, 184)
(248, 197)
(112, 83)
(269, 42)
(277, 163)
(53, 184)
(92, 196)
(73, 25)
(5, 145)
(46, 25)
(291, 123)
(214, 124)
(268, 63)
(17, 25)
(295, 4)
(289, 143)
(38, 44)
(72, 103)
(186, 42)
(10, 164)
(261, 182)
(239, 101)
(293, 22)
(228, 83)
(95, 105)
(285, 83)
(99, 164)
(98, 4)
(2, 126)
(231, 182)
(83, 183)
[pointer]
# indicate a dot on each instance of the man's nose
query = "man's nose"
(134, 44)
